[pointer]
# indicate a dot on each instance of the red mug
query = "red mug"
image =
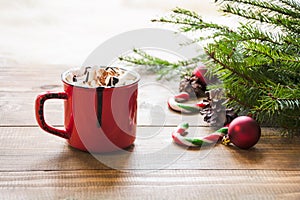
(101, 119)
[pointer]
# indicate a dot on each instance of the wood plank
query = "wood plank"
(17, 109)
(22, 78)
(163, 184)
(30, 148)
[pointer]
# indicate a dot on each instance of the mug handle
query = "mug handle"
(39, 112)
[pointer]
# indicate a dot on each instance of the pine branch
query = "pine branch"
(292, 4)
(160, 66)
(190, 21)
(275, 19)
(258, 62)
(273, 54)
(250, 32)
(269, 7)
(212, 55)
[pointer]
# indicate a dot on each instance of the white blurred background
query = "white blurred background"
(65, 31)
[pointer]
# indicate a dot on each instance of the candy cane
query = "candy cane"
(212, 138)
(176, 103)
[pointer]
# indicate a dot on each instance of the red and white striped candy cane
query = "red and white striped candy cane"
(176, 103)
(212, 138)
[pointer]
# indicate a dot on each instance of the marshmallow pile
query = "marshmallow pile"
(93, 77)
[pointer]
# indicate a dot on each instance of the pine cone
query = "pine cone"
(193, 86)
(217, 114)
(216, 117)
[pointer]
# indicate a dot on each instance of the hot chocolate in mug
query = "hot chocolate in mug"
(100, 108)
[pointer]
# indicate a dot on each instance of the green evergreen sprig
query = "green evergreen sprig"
(161, 66)
(258, 61)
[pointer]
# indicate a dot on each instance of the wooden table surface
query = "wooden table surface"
(37, 165)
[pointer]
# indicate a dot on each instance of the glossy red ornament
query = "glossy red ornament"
(200, 72)
(244, 132)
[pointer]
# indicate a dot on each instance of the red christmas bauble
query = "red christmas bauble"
(200, 72)
(244, 132)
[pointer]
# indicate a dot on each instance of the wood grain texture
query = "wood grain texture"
(29, 148)
(163, 184)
